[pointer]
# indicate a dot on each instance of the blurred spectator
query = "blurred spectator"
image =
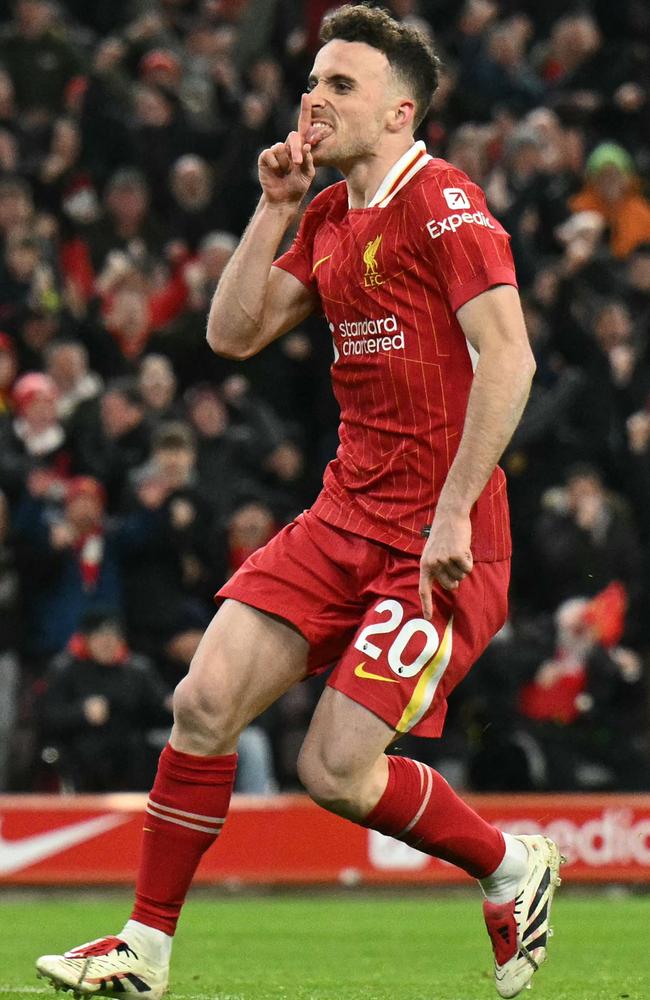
(128, 223)
(584, 701)
(16, 205)
(73, 555)
(39, 59)
(202, 274)
(67, 366)
(28, 280)
(34, 440)
(185, 340)
(612, 190)
(170, 582)
(99, 702)
(226, 455)
(584, 539)
(160, 133)
(61, 182)
(110, 436)
(194, 210)
(249, 528)
(136, 301)
(157, 384)
(494, 69)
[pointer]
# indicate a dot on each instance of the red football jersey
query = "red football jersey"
(390, 278)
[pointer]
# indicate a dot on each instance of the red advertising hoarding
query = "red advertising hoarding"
(81, 840)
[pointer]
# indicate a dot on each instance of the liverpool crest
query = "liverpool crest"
(372, 277)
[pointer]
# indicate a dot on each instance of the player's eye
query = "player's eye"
(342, 88)
(311, 84)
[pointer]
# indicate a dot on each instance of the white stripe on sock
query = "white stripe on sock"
(215, 830)
(423, 804)
(187, 815)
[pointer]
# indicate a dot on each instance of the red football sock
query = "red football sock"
(185, 813)
(420, 808)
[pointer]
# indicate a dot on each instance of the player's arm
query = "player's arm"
(254, 302)
(493, 323)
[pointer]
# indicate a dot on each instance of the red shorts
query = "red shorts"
(356, 602)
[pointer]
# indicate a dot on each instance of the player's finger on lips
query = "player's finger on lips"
(304, 118)
(294, 146)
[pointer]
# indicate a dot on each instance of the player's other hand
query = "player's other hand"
(447, 556)
(286, 169)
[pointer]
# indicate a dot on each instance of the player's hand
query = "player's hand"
(286, 169)
(447, 556)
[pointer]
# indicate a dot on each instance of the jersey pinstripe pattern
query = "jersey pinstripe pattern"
(390, 279)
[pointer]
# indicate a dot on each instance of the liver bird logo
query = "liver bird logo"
(372, 277)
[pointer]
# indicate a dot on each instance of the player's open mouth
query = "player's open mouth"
(318, 131)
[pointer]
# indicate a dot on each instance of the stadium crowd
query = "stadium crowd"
(138, 470)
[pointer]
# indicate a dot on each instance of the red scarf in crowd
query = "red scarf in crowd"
(90, 552)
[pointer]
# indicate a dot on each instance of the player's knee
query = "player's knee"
(198, 710)
(328, 781)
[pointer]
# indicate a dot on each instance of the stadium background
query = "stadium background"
(138, 470)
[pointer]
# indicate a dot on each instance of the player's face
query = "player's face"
(352, 91)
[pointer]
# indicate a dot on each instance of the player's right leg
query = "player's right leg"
(244, 662)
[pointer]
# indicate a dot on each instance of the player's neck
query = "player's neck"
(364, 176)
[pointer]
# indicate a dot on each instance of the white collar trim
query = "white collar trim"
(400, 174)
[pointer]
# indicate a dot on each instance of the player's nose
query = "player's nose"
(314, 97)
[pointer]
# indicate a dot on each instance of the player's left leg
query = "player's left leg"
(408, 668)
(344, 768)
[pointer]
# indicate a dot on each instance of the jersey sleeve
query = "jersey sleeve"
(466, 246)
(299, 258)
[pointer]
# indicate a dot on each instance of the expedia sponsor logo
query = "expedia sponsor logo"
(438, 227)
(369, 336)
(615, 837)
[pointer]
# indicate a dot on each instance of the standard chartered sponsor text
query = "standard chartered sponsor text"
(370, 336)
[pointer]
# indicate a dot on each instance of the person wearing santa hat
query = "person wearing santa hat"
(32, 440)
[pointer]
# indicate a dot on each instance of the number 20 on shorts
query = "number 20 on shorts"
(407, 631)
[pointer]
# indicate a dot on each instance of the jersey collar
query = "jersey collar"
(400, 174)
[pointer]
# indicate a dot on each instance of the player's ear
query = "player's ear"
(401, 115)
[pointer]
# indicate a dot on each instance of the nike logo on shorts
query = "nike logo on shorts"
(360, 672)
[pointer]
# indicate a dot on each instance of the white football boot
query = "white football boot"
(107, 967)
(519, 929)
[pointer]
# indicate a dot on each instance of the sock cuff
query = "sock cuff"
(405, 774)
(195, 769)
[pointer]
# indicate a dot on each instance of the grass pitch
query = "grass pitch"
(346, 947)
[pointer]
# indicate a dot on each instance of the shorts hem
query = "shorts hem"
(429, 727)
(227, 593)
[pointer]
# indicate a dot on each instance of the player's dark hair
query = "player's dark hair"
(408, 50)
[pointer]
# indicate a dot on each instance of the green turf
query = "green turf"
(347, 947)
